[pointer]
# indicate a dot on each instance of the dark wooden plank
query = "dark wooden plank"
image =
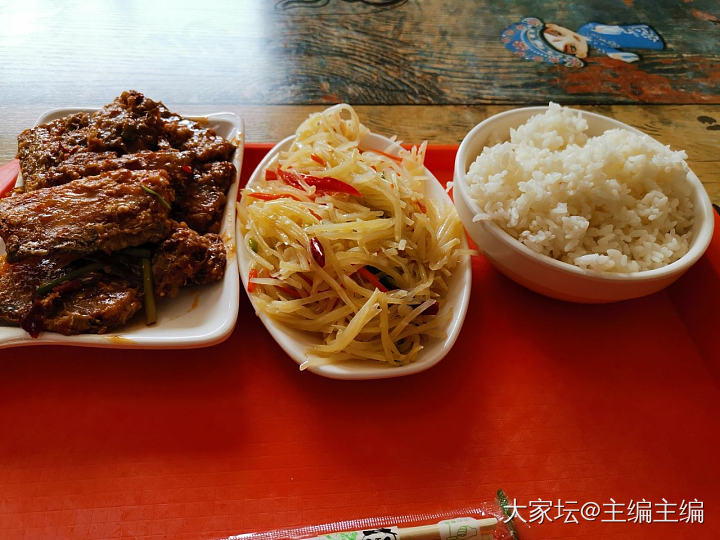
(264, 52)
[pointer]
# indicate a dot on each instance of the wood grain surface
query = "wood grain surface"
(275, 61)
(326, 51)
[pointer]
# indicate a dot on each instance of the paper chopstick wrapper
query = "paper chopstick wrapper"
(463, 528)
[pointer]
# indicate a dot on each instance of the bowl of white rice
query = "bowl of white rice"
(578, 206)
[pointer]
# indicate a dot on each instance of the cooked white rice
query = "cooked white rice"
(619, 202)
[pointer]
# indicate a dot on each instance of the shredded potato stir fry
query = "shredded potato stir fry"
(344, 244)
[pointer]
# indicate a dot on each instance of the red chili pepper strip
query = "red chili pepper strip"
(252, 275)
(8, 176)
(33, 321)
(289, 291)
(323, 184)
(315, 214)
(394, 158)
(374, 281)
(272, 196)
(422, 207)
(317, 251)
(317, 159)
(290, 178)
(270, 174)
(187, 168)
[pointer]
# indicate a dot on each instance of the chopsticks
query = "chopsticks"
(451, 529)
(485, 528)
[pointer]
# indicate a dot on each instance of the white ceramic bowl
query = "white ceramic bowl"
(295, 343)
(198, 316)
(544, 274)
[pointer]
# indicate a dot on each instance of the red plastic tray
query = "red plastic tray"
(545, 399)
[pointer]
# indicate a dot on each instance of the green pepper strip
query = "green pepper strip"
(50, 285)
(369, 276)
(504, 504)
(153, 192)
(150, 309)
(383, 278)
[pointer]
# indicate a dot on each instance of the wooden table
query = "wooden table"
(424, 70)
(440, 66)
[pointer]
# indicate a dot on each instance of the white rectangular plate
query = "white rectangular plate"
(198, 316)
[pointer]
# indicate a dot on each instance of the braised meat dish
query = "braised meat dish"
(99, 213)
(119, 207)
